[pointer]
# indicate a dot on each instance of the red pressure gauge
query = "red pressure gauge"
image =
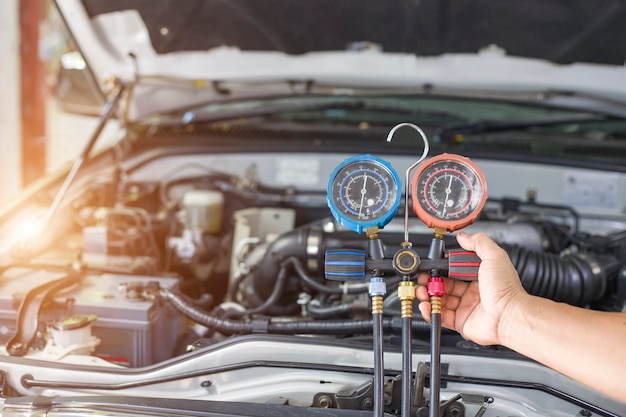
(448, 191)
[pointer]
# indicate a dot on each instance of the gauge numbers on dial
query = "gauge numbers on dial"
(364, 192)
(448, 191)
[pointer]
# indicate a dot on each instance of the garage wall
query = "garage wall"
(66, 134)
(10, 151)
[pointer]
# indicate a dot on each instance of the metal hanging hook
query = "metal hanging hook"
(408, 171)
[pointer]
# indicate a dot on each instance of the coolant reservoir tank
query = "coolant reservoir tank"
(73, 331)
(203, 210)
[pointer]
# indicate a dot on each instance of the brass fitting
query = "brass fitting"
(439, 232)
(377, 304)
(435, 304)
(406, 295)
(372, 233)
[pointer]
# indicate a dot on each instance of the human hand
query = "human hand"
(476, 309)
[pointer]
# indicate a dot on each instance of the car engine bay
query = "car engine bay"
(201, 277)
(236, 238)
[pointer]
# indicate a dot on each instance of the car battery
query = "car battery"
(134, 329)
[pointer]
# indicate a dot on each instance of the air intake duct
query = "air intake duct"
(577, 279)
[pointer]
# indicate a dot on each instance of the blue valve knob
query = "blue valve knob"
(344, 265)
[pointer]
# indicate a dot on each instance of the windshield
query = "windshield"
(478, 127)
(429, 110)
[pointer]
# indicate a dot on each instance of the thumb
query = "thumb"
(469, 241)
(466, 241)
(480, 243)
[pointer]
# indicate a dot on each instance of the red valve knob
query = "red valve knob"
(463, 265)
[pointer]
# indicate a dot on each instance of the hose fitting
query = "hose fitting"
(435, 290)
(435, 286)
(406, 295)
(377, 290)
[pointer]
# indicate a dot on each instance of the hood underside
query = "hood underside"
(562, 32)
(175, 53)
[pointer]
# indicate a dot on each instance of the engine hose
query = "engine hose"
(292, 243)
(320, 327)
(202, 317)
(308, 244)
(343, 327)
(340, 310)
(576, 279)
(271, 300)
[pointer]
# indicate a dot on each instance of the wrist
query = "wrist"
(512, 318)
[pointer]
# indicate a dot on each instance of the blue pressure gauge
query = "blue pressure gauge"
(364, 191)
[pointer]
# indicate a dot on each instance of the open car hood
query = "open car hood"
(219, 50)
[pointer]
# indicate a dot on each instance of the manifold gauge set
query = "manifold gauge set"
(364, 194)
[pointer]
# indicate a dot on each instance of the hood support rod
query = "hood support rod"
(104, 117)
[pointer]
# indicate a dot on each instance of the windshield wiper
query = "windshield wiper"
(339, 105)
(487, 126)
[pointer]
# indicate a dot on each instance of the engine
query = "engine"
(145, 272)
(236, 257)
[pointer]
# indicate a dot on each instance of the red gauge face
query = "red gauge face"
(448, 191)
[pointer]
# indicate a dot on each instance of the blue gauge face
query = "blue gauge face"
(363, 192)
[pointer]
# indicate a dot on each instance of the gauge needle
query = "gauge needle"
(448, 191)
(363, 192)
